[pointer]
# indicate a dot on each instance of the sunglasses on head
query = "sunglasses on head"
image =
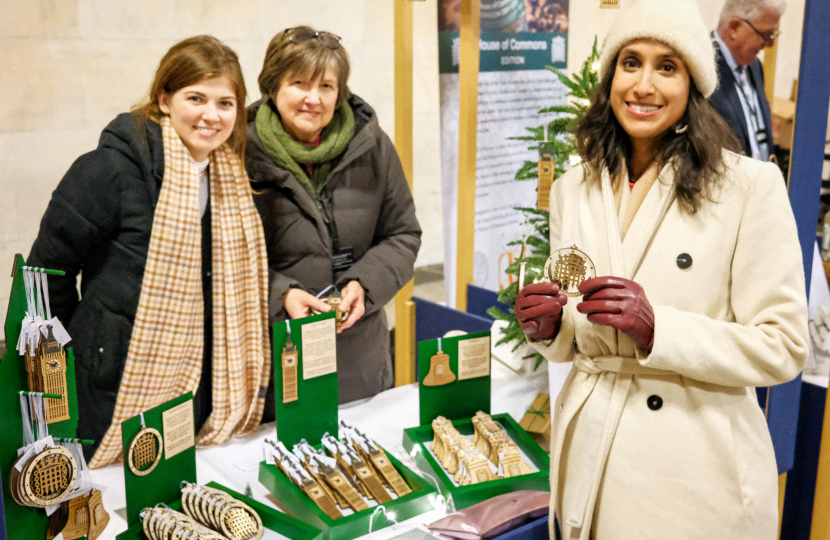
(296, 35)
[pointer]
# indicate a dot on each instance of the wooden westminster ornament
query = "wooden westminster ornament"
(290, 359)
(569, 267)
(439, 369)
(145, 450)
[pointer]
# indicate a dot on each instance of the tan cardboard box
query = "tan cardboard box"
(783, 120)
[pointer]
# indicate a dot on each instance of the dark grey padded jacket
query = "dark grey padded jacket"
(369, 199)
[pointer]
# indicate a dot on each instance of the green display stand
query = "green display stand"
(164, 482)
(272, 519)
(315, 412)
(464, 496)
(421, 500)
(24, 521)
(458, 399)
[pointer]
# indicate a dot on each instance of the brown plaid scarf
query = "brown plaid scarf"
(165, 354)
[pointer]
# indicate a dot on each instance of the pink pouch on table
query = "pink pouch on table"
(494, 516)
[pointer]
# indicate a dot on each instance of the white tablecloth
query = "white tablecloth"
(235, 463)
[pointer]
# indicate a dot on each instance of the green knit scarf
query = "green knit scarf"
(290, 153)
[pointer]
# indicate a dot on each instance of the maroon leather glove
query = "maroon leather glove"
(539, 310)
(621, 303)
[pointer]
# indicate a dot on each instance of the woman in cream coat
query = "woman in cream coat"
(657, 432)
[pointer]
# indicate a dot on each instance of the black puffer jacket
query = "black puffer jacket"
(369, 199)
(98, 225)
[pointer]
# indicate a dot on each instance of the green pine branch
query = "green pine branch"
(562, 146)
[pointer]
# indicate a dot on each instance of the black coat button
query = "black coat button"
(654, 402)
(684, 260)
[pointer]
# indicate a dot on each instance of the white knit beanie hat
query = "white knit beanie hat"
(678, 24)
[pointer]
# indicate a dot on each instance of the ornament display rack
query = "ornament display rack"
(417, 439)
(26, 522)
(272, 519)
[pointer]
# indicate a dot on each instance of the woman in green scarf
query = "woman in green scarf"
(335, 205)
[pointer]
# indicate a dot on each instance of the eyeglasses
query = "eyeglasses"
(768, 38)
(296, 35)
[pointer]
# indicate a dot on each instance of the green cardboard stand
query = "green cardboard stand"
(24, 521)
(463, 496)
(315, 412)
(271, 518)
(164, 482)
(421, 500)
(458, 399)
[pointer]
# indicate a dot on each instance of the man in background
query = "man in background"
(745, 28)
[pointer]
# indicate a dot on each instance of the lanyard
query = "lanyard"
(753, 113)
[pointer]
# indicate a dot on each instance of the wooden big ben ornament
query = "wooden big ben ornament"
(290, 359)
(545, 174)
(51, 370)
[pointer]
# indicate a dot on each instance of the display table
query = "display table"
(235, 463)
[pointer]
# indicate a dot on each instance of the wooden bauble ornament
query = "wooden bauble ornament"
(145, 450)
(569, 267)
(240, 522)
(49, 476)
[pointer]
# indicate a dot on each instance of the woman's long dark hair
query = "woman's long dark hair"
(602, 142)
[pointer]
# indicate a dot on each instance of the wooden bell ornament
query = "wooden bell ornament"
(439, 369)
(290, 360)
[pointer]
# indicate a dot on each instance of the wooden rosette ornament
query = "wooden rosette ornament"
(569, 267)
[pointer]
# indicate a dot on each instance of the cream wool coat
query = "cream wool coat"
(701, 466)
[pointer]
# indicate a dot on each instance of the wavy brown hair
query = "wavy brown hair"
(697, 152)
(189, 62)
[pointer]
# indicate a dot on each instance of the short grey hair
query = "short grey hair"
(749, 9)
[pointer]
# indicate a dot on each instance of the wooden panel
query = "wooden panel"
(404, 308)
(467, 126)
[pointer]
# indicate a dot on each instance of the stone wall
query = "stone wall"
(69, 66)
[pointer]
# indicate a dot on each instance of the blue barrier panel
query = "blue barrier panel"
(480, 300)
(434, 320)
(535, 530)
(801, 479)
(806, 162)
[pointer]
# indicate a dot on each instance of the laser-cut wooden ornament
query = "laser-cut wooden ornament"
(51, 366)
(99, 517)
(545, 174)
(48, 477)
(144, 453)
(217, 510)
(290, 361)
(440, 372)
(569, 267)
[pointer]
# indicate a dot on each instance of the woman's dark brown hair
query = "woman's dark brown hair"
(697, 152)
(191, 61)
(300, 51)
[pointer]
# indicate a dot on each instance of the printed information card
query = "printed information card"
(474, 358)
(177, 424)
(319, 348)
